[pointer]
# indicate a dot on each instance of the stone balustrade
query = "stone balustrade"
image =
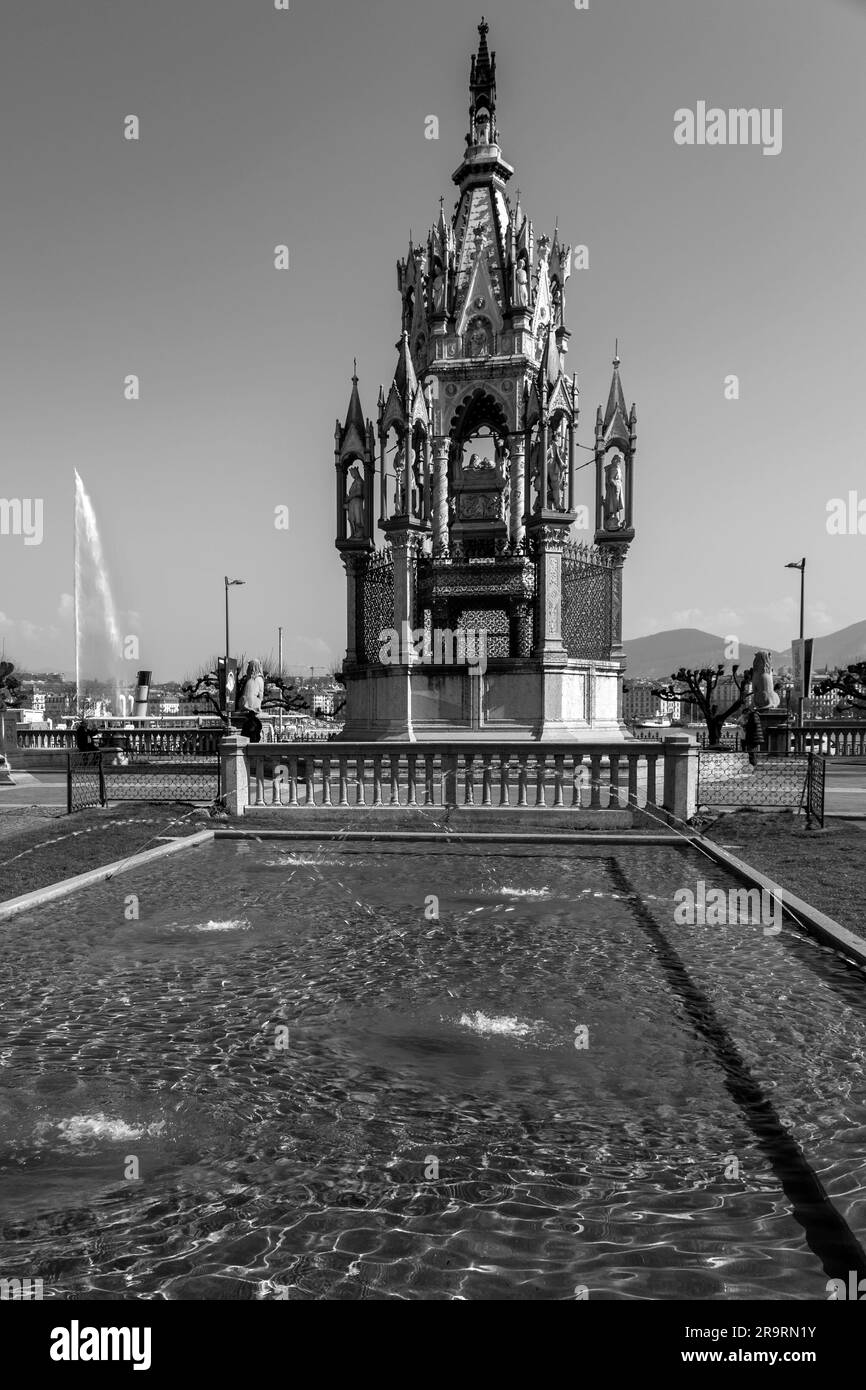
(365, 776)
(843, 739)
(188, 742)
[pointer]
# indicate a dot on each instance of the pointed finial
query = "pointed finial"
(616, 358)
(355, 370)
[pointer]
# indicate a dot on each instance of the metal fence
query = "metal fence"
(587, 602)
(85, 785)
(94, 779)
(729, 779)
(815, 789)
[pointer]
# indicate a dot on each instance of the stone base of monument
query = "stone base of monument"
(776, 723)
(572, 701)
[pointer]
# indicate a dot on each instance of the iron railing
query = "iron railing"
(729, 779)
(815, 786)
(587, 602)
(85, 785)
(94, 779)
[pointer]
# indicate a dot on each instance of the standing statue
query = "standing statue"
(763, 694)
(521, 281)
(355, 503)
(254, 688)
(438, 288)
(614, 494)
(400, 480)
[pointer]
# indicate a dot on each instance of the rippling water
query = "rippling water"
(287, 1077)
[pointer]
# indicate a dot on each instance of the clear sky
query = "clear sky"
(261, 127)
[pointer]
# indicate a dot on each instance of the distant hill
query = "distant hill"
(840, 648)
(659, 655)
(656, 657)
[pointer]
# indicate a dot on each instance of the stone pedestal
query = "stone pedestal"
(235, 774)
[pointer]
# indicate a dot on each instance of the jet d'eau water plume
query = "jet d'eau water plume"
(97, 631)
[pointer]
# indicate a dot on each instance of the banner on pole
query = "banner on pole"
(228, 682)
(801, 650)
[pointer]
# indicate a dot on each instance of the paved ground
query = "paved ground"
(845, 791)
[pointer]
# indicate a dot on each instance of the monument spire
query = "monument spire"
(615, 422)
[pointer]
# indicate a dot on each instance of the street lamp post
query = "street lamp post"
(228, 584)
(801, 566)
(280, 631)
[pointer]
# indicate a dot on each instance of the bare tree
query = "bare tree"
(699, 688)
(851, 685)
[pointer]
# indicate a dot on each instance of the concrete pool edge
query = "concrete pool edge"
(13, 906)
(815, 923)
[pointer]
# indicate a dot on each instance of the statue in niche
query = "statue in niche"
(438, 288)
(521, 283)
(478, 342)
(400, 480)
(254, 688)
(355, 504)
(763, 694)
(417, 477)
(614, 494)
(550, 495)
(482, 128)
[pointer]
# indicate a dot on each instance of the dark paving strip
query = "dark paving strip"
(828, 1235)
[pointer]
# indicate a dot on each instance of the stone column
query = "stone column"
(548, 635)
(518, 463)
(235, 773)
(404, 547)
(356, 567)
(680, 777)
(617, 562)
(440, 495)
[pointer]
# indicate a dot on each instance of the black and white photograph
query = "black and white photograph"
(432, 672)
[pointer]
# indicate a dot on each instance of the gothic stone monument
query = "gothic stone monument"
(480, 616)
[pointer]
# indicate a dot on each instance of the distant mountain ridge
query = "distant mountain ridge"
(657, 656)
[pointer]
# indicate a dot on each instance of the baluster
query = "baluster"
(277, 780)
(576, 777)
(521, 779)
(326, 781)
(558, 761)
(469, 781)
(540, 773)
(377, 779)
(632, 778)
(613, 800)
(394, 760)
(651, 759)
(344, 779)
(411, 793)
(595, 780)
(504, 772)
(293, 781)
(310, 774)
(360, 790)
(429, 787)
(486, 777)
(260, 781)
